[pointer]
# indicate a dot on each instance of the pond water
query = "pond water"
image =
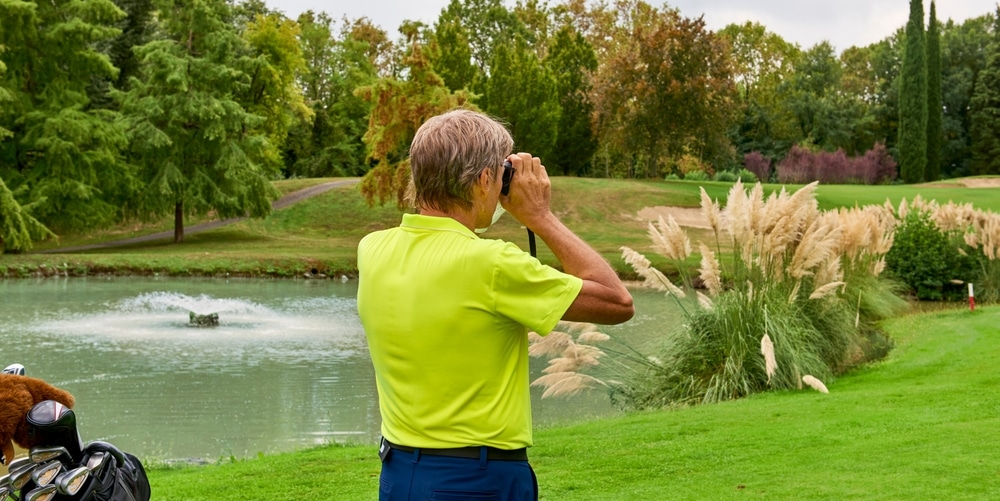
(287, 368)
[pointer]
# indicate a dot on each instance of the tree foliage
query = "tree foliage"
(665, 90)
(198, 149)
(913, 99)
(934, 110)
(523, 92)
(399, 107)
(985, 111)
(572, 61)
(61, 158)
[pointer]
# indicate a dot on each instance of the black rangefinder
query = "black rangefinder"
(508, 175)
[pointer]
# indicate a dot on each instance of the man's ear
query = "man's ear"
(486, 179)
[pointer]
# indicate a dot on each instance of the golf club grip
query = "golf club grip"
(531, 244)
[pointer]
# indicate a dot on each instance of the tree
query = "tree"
(934, 110)
(964, 48)
(451, 54)
(913, 100)
(663, 89)
(198, 149)
(331, 143)
(762, 62)
(985, 111)
(523, 92)
(399, 107)
(572, 61)
(273, 64)
(62, 159)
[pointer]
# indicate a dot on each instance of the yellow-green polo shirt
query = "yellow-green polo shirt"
(445, 314)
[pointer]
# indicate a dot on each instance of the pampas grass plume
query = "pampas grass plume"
(770, 363)
(815, 384)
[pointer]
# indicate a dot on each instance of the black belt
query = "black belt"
(472, 452)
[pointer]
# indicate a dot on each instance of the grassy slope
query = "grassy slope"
(921, 425)
(323, 232)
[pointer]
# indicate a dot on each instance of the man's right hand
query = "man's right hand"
(530, 191)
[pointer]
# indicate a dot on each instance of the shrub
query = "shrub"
(758, 164)
(688, 164)
(748, 177)
(802, 166)
(726, 176)
(696, 175)
(672, 177)
(974, 235)
(928, 259)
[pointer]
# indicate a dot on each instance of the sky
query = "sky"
(844, 23)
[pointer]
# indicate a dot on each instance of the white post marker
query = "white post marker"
(972, 299)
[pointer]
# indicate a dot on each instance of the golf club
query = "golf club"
(72, 481)
(96, 462)
(20, 477)
(49, 453)
(46, 473)
(41, 494)
(19, 462)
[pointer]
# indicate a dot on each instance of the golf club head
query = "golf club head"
(50, 422)
(41, 493)
(72, 481)
(19, 462)
(15, 369)
(44, 474)
(20, 477)
(96, 461)
(38, 455)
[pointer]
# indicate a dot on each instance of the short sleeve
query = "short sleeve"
(531, 293)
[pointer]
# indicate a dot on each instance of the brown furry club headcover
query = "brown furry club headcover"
(18, 394)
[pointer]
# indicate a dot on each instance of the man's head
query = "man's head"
(449, 154)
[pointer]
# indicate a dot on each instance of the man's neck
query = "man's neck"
(465, 218)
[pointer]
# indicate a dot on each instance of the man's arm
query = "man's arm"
(603, 298)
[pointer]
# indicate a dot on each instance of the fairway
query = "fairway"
(921, 425)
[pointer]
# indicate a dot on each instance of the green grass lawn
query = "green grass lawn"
(323, 232)
(921, 425)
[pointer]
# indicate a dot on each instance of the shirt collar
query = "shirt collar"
(435, 223)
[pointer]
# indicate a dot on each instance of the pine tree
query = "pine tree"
(197, 148)
(985, 111)
(935, 113)
(912, 141)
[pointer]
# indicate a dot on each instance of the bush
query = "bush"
(927, 259)
(748, 177)
(696, 175)
(726, 176)
(672, 177)
(801, 166)
(758, 164)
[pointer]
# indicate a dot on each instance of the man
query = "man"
(446, 312)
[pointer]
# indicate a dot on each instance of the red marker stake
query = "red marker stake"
(972, 299)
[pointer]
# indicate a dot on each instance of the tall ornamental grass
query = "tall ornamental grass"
(789, 298)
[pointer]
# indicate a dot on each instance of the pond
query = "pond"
(286, 369)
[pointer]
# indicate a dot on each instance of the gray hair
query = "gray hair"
(450, 152)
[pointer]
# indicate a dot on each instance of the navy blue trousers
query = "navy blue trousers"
(419, 477)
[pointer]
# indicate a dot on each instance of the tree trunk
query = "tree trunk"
(179, 222)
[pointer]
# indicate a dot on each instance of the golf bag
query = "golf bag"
(66, 469)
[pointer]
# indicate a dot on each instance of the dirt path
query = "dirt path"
(285, 201)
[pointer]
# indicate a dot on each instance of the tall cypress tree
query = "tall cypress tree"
(984, 131)
(913, 99)
(935, 112)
